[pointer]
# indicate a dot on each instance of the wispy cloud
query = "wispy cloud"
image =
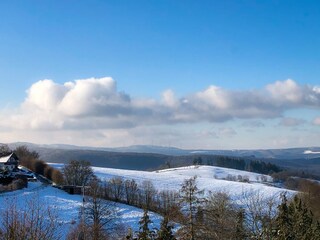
(291, 122)
(226, 132)
(253, 124)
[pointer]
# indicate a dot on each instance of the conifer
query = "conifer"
(165, 232)
(144, 232)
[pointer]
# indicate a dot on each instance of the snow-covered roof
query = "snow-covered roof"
(6, 158)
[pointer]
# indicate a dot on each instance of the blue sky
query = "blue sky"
(247, 49)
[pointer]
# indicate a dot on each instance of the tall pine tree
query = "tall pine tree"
(295, 222)
(144, 232)
(165, 231)
(191, 199)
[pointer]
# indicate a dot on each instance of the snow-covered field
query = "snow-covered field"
(209, 178)
(66, 207)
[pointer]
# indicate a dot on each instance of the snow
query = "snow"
(310, 152)
(66, 207)
(209, 178)
(216, 172)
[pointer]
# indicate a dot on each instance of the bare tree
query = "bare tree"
(4, 150)
(80, 232)
(31, 222)
(98, 214)
(77, 173)
(259, 214)
(131, 191)
(220, 217)
(169, 204)
(148, 193)
(116, 188)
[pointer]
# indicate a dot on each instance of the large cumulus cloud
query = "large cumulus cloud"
(95, 103)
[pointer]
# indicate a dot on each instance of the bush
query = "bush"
(231, 177)
(48, 172)
(20, 183)
(39, 167)
(31, 160)
(14, 185)
(57, 177)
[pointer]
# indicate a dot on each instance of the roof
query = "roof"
(6, 158)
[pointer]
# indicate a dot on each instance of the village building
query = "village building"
(9, 162)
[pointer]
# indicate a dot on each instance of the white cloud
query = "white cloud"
(215, 97)
(95, 103)
(316, 89)
(286, 91)
(93, 97)
(169, 98)
(44, 95)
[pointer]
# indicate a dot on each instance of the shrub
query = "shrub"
(57, 177)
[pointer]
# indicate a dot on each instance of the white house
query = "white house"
(9, 162)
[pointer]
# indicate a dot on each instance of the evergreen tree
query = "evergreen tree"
(145, 233)
(191, 198)
(210, 162)
(302, 219)
(197, 161)
(165, 232)
(316, 231)
(283, 221)
(295, 221)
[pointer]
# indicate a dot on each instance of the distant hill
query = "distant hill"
(145, 157)
(288, 153)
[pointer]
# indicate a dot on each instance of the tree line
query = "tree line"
(32, 161)
(239, 163)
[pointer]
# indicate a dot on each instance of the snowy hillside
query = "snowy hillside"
(216, 172)
(209, 178)
(66, 207)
